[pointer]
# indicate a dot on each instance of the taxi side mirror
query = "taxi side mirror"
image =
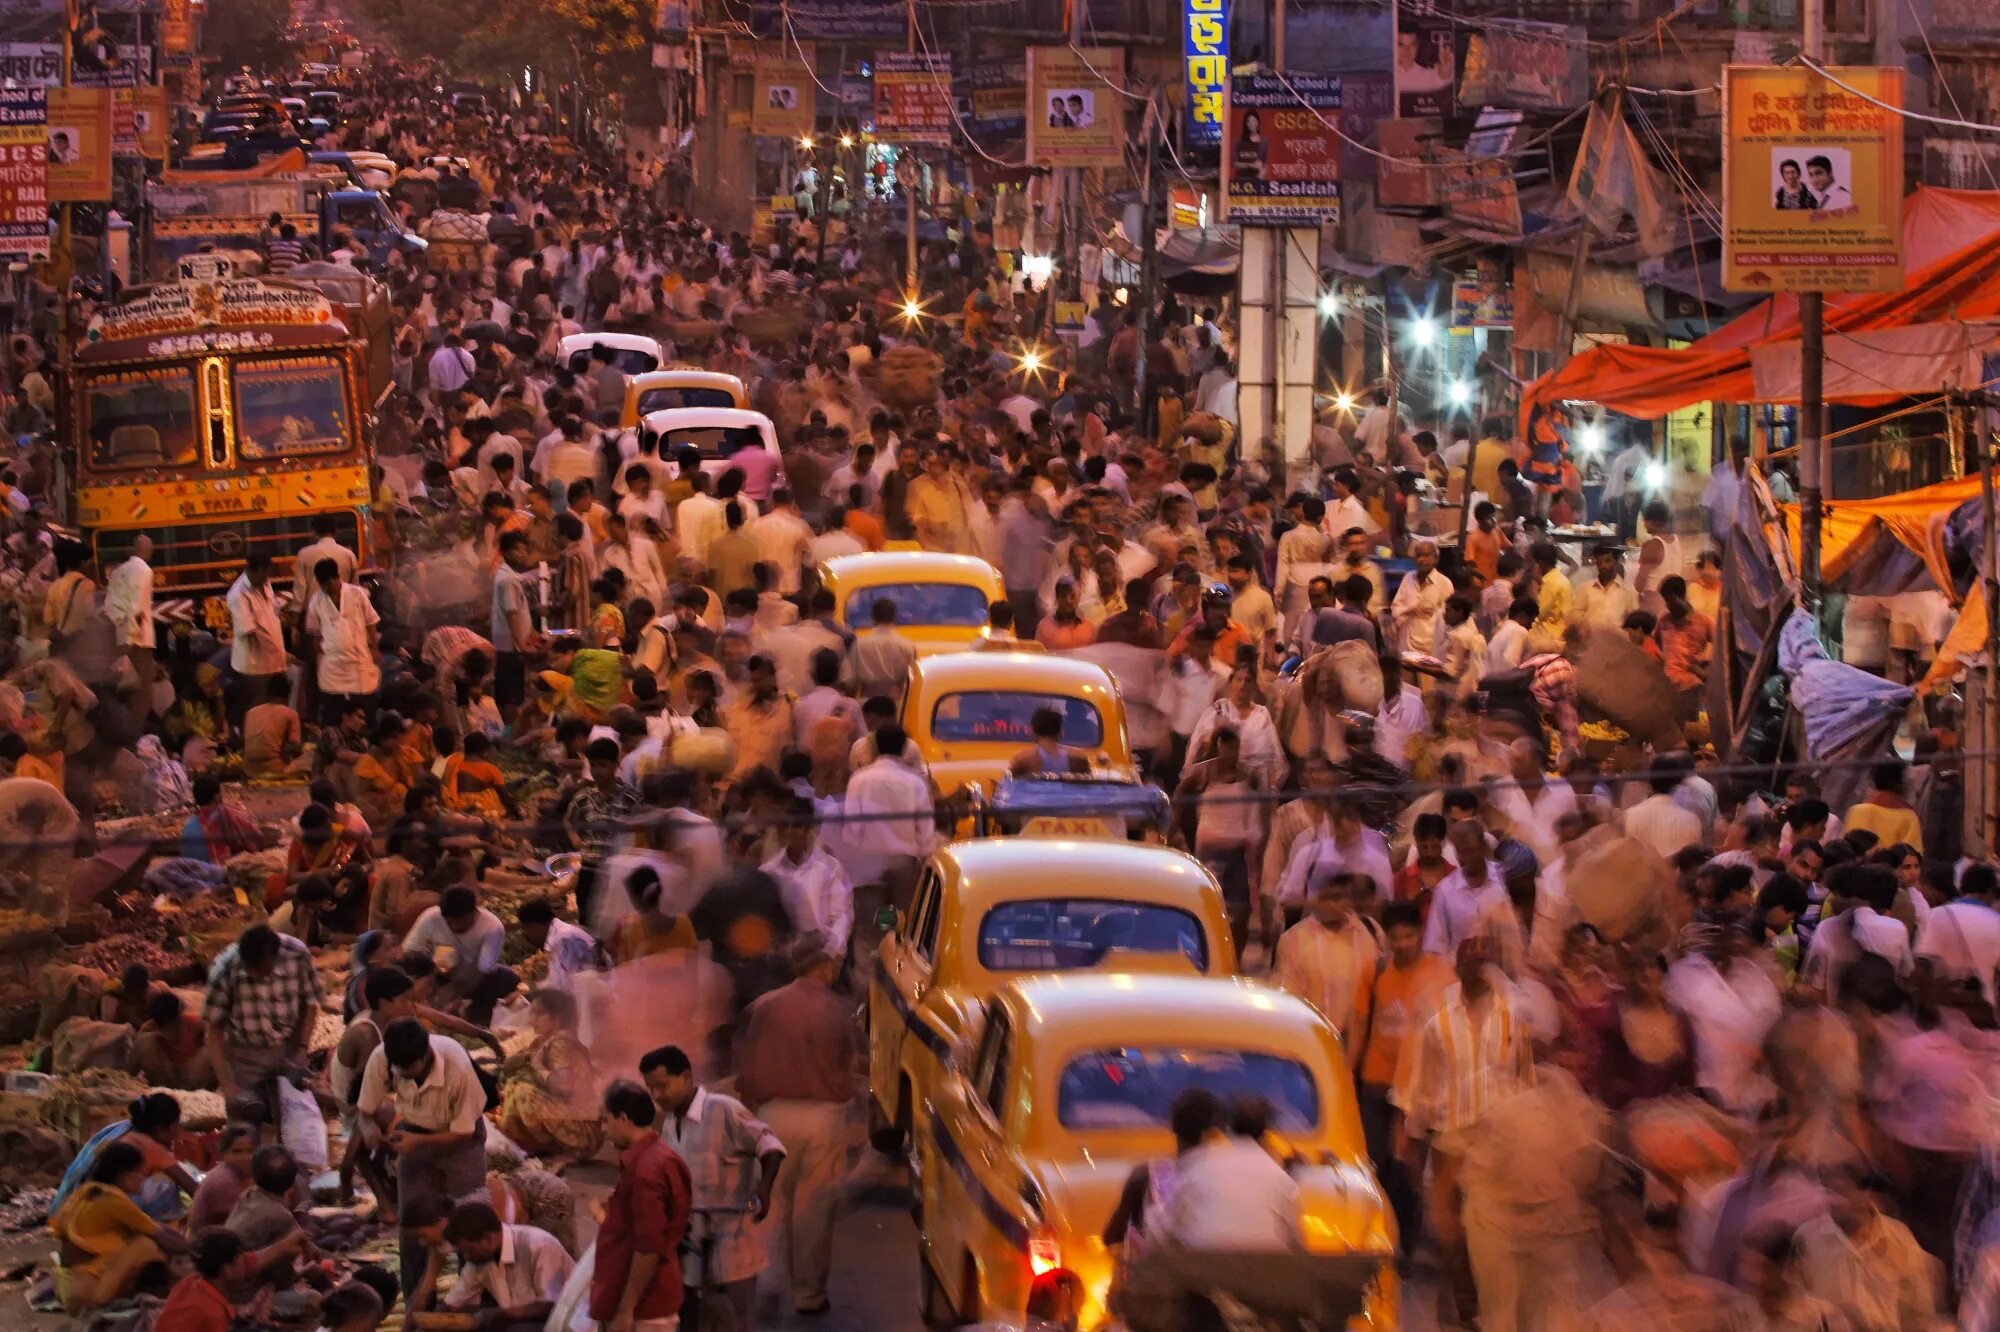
(888, 919)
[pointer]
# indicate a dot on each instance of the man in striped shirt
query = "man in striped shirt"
(1473, 1054)
(286, 252)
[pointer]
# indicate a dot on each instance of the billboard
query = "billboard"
(997, 95)
(1812, 174)
(1205, 61)
(1281, 154)
(24, 192)
(913, 97)
(79, 145)
(1526, 66)
(1426, 67)
(177, 27)
(782, 104)
(1076, 115)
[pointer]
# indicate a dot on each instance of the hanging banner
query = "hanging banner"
(912, 97)
(1404, 178)
(1281, 156)
(1527, 66)
(1812, 175)
(829, 20)
(1365, 101)
(24, 193)
(177, 27)
(149, 121)
(1426, 60)
(1076, 117)
(1486, 300)
(996, 96)
(79, 145)
(1205, 59)
(782, 104)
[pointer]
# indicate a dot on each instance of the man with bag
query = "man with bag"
(263, 999)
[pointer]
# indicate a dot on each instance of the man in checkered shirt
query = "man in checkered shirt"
(263, 999)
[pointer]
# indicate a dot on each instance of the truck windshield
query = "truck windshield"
(297, 405)
(141, 418)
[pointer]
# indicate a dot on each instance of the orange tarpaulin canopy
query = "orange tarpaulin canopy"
(1913, 518)
(1952, 273)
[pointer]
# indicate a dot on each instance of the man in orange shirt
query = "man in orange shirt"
(1483, 543)
(1216, 600)
(197, 1303)
(1391, 1006)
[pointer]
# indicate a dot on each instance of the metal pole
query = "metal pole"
(1989, 788)
(1813, 460)
(1147, 246)
(826, 172)
(916, 171)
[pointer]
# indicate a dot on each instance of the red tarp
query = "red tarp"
(1952, 273)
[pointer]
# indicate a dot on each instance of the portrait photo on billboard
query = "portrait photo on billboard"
(1072, 108)
(782, 97)
(1426, 68)
(1250, 151)
(65, 145)
(1812, 179)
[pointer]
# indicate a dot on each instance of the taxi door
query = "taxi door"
(899, 1031)
(974, 1188)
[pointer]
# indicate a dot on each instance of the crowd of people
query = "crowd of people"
(1659, 1048)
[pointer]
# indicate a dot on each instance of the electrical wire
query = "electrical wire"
(930, 50)
(1945, 121)
(1414, 163)
(785, 12)
(1924, 31)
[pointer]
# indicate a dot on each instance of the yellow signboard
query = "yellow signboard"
(782, 104)
(264, 494)
(79, 145)
(177, 27)
(1076, 113)
(149, 120)
(1812, 179)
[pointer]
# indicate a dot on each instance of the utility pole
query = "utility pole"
(826, 172)
(906, 156)
(1814, 464)
(1148, 259)
(1989, 588)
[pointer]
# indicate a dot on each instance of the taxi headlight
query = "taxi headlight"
(1044, 1251)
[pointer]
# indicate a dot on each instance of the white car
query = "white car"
(635, 353)
(720, 433)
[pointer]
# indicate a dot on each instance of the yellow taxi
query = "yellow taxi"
(989, 910)
(1062, 1085)
(941, 600)
(970, 713)
(680, 386)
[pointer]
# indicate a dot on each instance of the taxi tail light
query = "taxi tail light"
(1044, 1253)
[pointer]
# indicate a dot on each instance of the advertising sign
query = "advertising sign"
(1479, 192)
(1426, 60)
(1812, 180)
(782, 104)
(1527, 66)
(913, 97)
(1076, 118)
(996, 96)
(79, 145)
(24, 194)
(177, 27)
(1281, 156)
(149, 121)
(1205, 57)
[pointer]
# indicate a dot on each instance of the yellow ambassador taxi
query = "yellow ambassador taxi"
(680, 386)
(940, 600)
(1064, 1084)
(990, 910)
(970, 713)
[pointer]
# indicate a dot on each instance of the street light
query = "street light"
(1329, 306)
(847, 140)
(806, 142)
(913, 309)
(1590, 439)
(1459, 392)
(1343, 401)
(1423, 332)
(1655, 476)
(1031, 361)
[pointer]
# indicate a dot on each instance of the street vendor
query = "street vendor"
(263, 999)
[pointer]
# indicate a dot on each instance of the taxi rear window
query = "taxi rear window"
(1068, 933)
(1004, 715)
(1125, 1087)
(959, 604)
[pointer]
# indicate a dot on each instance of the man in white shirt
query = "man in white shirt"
(1533, 802)
(257, 642)
(439, 1132)
(1961, 939)
(818, 895)
(784, 539)
(1508, 647)
(892, 818)
(1231, 1194)
(1659, 822)
(698, 519)
(1342, 846)
(450, 367)
(128, 604)
(326, 546)
(1605, 601)
(1414, 612)
(1400, 717)
(342, 619)
(472, 936)
(1468, 897)
(518, 1272)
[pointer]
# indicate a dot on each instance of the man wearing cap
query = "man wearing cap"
(796, 1068)
(1216, 600)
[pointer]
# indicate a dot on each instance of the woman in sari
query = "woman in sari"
(472, 783)
(548, 1099)
(647, 930)
(597, 683)
(104, 1243)
(383, 773)
(149, 1128)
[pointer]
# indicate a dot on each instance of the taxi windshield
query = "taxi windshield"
(667, 399)
(1130, 1088)
(1006, 716)
(141, 418)
(1067, 933)
(919, 603)
(296, 405)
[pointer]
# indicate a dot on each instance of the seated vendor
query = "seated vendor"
(319, 847)
(272, 736)
(518, 1272)
(105, 1246)
(217, 830)
(473, 784)
(16, 761)
(171, 1048)
(307, 916)
(152, 1122)
(265, 1219)
(472, 937)
(381, 774)
(215, 1198)
(401, 892)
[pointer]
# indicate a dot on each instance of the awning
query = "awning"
(1212, 251)
(1953, 273)
(1913, 519)
(1881, 365)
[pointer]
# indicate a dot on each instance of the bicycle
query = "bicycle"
(707, 1308)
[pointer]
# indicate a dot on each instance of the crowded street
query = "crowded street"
(725, 665)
